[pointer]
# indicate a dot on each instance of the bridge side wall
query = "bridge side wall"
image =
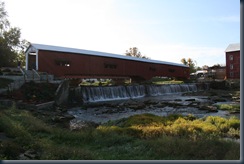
(81, 65)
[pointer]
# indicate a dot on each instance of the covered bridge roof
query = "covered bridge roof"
(96, 53)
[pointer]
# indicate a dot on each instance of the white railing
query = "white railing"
(35, 72)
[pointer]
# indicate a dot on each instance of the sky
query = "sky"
(166, 30)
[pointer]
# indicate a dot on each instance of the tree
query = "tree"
(134, 52)
(10, 43)
(24, 44)
(183, 60)
(189, 62)
(205, 67)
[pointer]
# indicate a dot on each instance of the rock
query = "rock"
(29, 155)
(79, 124)
(235, 112)
(136, 106)
(68, 116)
(212, 109)
(62, 93)
(190, 100)
(153, 102)
(226, 96)
(208, 108)
(63, 117)
(218, 99)
(194, 104)
(109, 111)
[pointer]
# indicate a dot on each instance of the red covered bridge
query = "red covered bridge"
(65, 62)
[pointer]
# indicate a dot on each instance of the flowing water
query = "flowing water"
(108, 93)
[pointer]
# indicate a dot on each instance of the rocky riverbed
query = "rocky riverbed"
(199, 104)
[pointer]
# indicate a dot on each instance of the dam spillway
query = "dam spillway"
(109, 93)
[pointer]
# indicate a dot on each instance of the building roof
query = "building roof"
(233, 47)
(96, 53)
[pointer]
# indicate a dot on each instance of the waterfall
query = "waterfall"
(107, 93)
(92, 94)
(158, 90)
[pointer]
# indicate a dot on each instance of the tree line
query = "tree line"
(12, 47)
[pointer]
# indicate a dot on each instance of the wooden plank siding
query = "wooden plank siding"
(64, 64)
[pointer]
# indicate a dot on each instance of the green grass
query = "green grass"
(139, 137)
(158, 81)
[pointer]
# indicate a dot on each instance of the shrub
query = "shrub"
(234, 123)
(233, 133)
(38, 92)
(10, 150)
(229, 107)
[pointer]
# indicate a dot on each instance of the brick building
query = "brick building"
(233, 61)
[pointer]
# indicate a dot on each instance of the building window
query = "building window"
(231, 66)
(171, 70)
(231, 57)
(231, 74)
(110, 66)
(62, 62)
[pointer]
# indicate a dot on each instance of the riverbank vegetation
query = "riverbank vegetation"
(139, 137)
(229, 107)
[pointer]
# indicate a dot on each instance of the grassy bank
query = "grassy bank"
(140, 137)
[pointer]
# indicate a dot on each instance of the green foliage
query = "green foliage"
(189, 62)
(183, 149)
(152, 126)
(38, 92)
(229, 107)
(12, 48)
(158, 80)
(142, 137)
(224, 125)
(65, 152)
